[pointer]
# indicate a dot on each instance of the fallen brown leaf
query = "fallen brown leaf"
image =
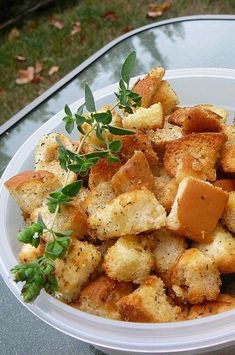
(56, 23)
(20, 58)
(13, 34)
(76, 28)
(156, 10)
(25, 76)
(38, 67)
(2, 91)
(53, 70)
(110, 16)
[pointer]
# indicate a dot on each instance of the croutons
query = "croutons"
(147, 87)
(129, 259)
(195, 277)
(29, 253)
(223, 303)
(98, 197)
(196, 210)
(178, 116)
(134, 174)
(100, 297)
(145, 118)
(73, 272)
(199, 119)
(166, 96)
(229, 213)
(223, 114)
(102, 172)
(138, 141)
(165, 191)
(221, 250)
(161, 137)
(46, 156)
(194, 155)
(168, 246)
(225, 184)
(227, 159)
(149, 303)
(71, 217)
(129, 213)
(30, 188)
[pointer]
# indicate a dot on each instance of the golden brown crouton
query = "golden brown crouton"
(46, 156)
(227, 159)
(102, 172)
(145, 118)
(73, 272)
(166, 96)
(160, 137)
(149, 303)
(195, 277)
(199, 119)
(98, 197)
(138, 141)
(223, 114)
(194, 155)
(100, 297)
(221, 250)
(30, 188)
(196, 210)
(178, 116)
(165, 191)
(129, 259)
(71, 217)
(147, 87)
(168, 247)
(29, 253)
(134, 174)
(225, 184)
(229, 213)
(129, 213)
(223, 303)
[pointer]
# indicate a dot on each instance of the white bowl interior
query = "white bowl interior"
(193, 86)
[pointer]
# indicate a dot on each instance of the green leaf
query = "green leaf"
(75, 168)
(103, 117)
(99, 153)
(119, 131)
(72, 189)
(90, 102)
(99, 132)
(128, 67)
(122, 84)
(40, 221)
(79, 119)
(69, 124)
(31, 235)
(54, 250)
(115, 146)
(80, 109)
(64, 234)
(67, 110)
(81, 130)
(113, 158)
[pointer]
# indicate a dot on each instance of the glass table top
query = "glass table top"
(180, 44)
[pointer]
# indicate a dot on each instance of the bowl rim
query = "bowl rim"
(222, 320)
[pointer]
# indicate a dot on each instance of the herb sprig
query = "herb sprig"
(40, 274)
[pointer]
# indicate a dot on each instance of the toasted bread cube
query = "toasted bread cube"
(71, 217)
(194, 155)
(30, 188)
(129, 259)
(221, 250)
(145, 118)
(134, 174)
(165, 191)
(166, 96)
(225, 184)
(102, 172)
(227, 158)
(98, 197)
(223, 303)
(178, 116)
(196, 210)
(200, 119)
(46, 156)
(138, 141)
(168, 247)
(73, 272)
(161, 137)
(100, 297)
(229, 213)
(195, 277)
(147, 87)
(218, 110)
(29, 253)
(129, 213)
(149, 303)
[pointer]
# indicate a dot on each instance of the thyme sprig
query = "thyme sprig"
(40, 274)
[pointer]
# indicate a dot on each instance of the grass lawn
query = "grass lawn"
(100, 21)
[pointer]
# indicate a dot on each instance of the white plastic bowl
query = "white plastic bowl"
(215, 86)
